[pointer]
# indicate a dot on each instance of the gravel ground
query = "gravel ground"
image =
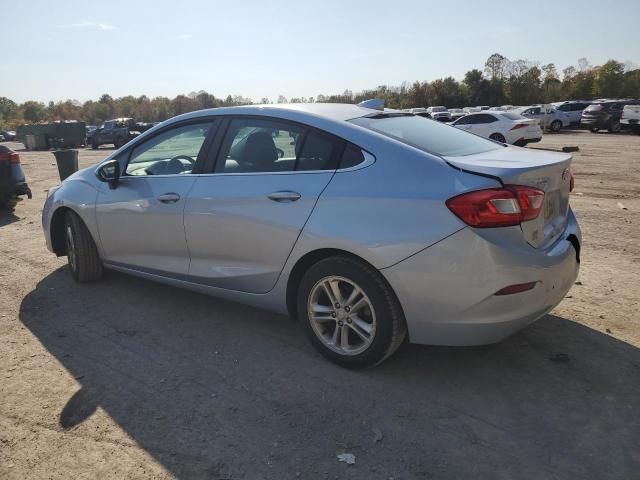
(131, 379)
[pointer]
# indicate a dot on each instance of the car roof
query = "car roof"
(333, 111)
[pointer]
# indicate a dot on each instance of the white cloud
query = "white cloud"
(93, 25)
(186, 36)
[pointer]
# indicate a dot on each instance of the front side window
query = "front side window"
(432, 137)
(265, 146)
(172, 152)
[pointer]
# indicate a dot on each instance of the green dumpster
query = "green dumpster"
(67, 161)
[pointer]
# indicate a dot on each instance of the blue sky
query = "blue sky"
(80, 50)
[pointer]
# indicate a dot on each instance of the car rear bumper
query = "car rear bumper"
(447, 291)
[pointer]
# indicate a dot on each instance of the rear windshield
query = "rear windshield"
(594, 108)
(438, 109)
(512, 116)
(427, 135)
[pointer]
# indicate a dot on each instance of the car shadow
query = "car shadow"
(213, 389)
(7, 218)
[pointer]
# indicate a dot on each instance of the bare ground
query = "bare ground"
(131, 379)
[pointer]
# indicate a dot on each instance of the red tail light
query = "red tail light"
(14, 158)
(519, 288)
(518, 125)
(497, 207)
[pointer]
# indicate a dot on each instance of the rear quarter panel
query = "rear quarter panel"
(389, 210)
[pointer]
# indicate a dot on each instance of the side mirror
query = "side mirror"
(109, 172)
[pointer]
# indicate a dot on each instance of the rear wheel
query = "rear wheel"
(94, 143)
(82, 253)
(556, 125)
(119, 142)
(593, 129)
(350, 313)
(498, 137)
(615, 127)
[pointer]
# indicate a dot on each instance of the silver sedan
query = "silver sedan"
(369, 227)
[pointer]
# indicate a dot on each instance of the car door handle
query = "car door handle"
(284, 196)
(169, 198)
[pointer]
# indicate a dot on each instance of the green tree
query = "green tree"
(610, 79)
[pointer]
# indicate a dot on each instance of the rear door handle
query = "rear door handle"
(284, 196)
(169, 198)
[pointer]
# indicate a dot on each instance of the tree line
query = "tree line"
(502, 81)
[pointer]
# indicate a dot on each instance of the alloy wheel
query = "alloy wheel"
(341, 315)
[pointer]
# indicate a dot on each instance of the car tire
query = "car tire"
(83, 258)
(593, 129)
(498, 137)
(555, 126)
(615, 127)
(358, 338)
(119, 142)
(94, 144)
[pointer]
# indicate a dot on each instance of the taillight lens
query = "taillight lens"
(518, 126)
(497, 207)
(14, 158)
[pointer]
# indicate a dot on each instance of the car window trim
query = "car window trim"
(202, 154)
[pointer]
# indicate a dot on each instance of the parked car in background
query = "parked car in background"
(441, 114)
(483, 107)
(504, 127)
(630, 117)
(605, 115)
(90, 129)
(555, 120)
(117, 132)
(12, 181)
(485, 241)
(8, 135)
(456, 113)
(471, 110)
(573, 109)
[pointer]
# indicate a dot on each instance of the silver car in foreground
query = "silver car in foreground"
(369, 227)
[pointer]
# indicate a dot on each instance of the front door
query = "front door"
(140, 222)
(243, 219)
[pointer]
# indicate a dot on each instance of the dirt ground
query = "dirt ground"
(131, 379)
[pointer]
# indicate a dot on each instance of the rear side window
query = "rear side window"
(426, 135)
(318, 152)
(594, 108)
(351, 157)
(265, 146)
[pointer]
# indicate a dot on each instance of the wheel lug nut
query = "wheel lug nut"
(347, 309)
(341, 323)
(333, 314)
(337, 305)
(348, 320)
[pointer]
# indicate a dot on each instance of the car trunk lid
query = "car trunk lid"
(547, 171)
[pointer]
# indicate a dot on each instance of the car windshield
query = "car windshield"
(427, 135)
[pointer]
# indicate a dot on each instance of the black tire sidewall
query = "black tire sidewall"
(384, 311)
(500, 138)
(70, 223)
(558, 126)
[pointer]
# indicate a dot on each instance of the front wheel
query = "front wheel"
(555, 126)
(82, 253)
(593, 129)
(350, 313)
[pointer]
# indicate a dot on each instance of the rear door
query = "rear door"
(243, 219)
